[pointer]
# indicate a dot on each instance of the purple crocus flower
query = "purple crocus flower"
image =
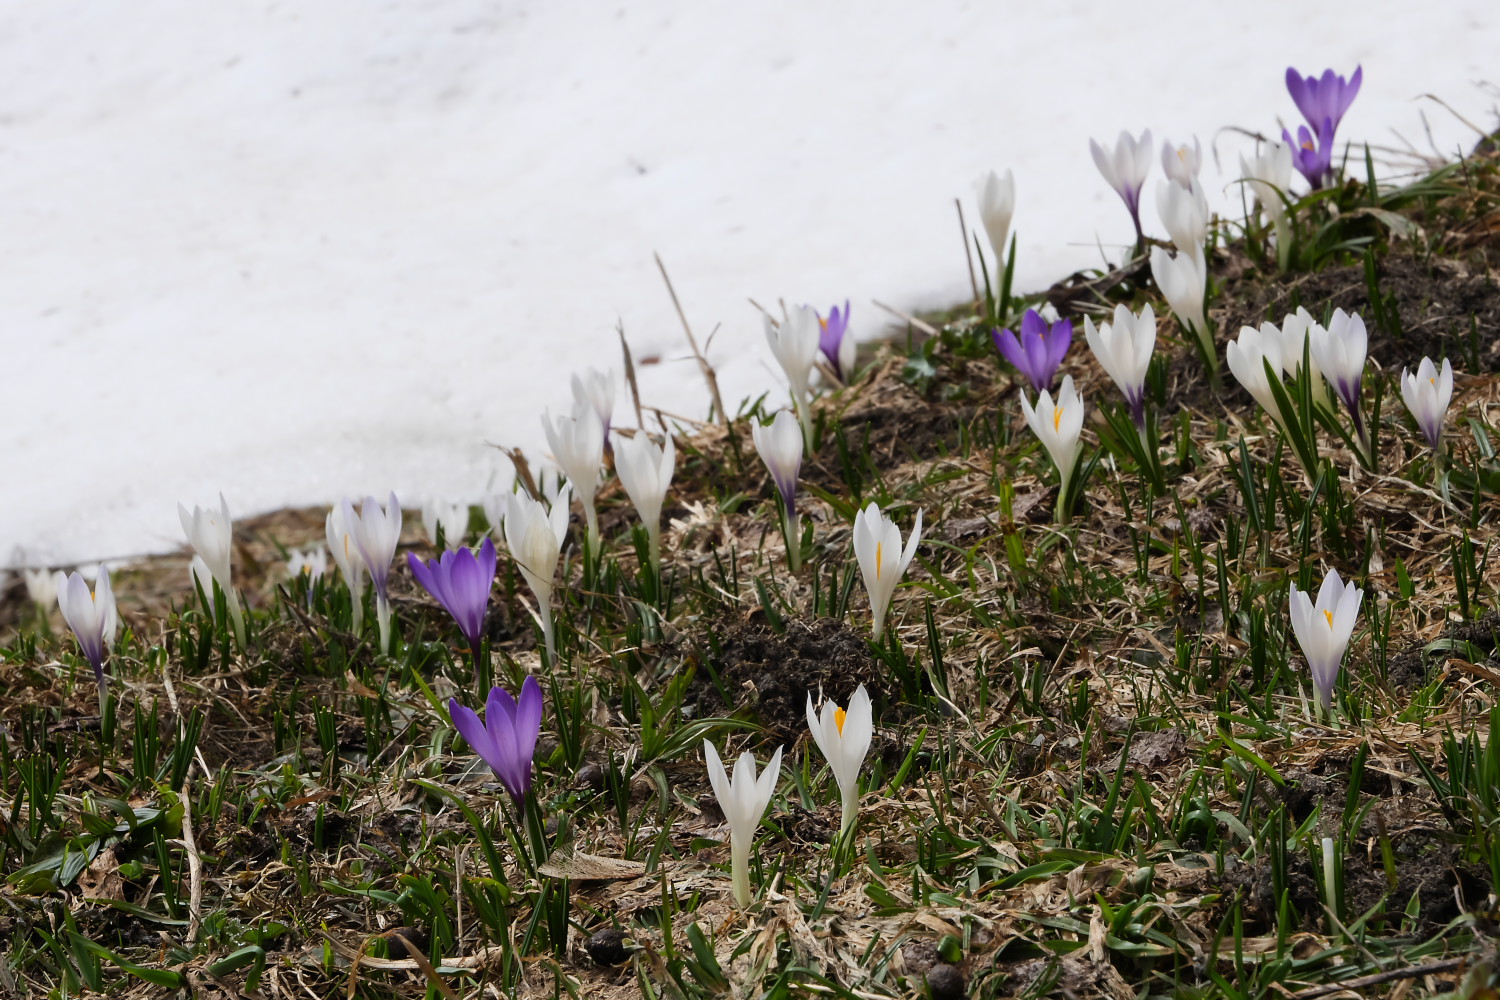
(1313, 159)
(832, 343)
(460, 579)
(1038, 351)
(506, 739)
(1325, 97)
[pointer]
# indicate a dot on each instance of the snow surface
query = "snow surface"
(296, 250)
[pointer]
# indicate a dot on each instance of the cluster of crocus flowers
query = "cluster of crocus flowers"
(1038, 351)
(1123, 348)
(1322, 101)
(577, 443)
(534, 535)
(211, 534)
(1125, 168)
(796, 343)
(95, 621)
(997, 207)
(460, 580)
(1427, 393)
(835, 343)
(450, 521)
(882, 560)
(1323, 629)
(506, 738)
(779, 445)
(1058, 424)
(339, 531)
(844, 737)
(645, 469)
(743, 800)
(375, 532)
(308, 564)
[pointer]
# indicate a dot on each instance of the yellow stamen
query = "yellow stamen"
(838, 718)
(1057, 419)
(822, 322)
(1308, 144)
(1329, 616)
(1182, 153)
(877, 560)
(307, 571)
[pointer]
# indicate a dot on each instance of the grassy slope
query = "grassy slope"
(1095, 769)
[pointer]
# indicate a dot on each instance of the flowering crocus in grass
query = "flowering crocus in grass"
(779, 445)
(1183, 282)
(844, 738)
(1323, 630)
(997, 207)
(743, 800)
(452, 518)
(211, 533)
(1182, 164)
(595, 390)
(535, 538)
(1058, 424)
(645, 469)
(94, 619)
(1039, 349)
(882, 561)
(795, 344)
(1124, 348)
(1296, 331)
(577, 444)
(1323, 98)
(309, 564)
(1312, 155)
(1427, 395)
(1269, 176)
(835, 343)
(460, 579)
(376, 531)
(1125, 168)
(1248, 357)
(340, 533)
(1339, 351)
(1184, 214)
(41, 586)
(506, 739)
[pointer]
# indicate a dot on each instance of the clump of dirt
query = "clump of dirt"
(772, 673)
(1410, 668)
(1437, 300)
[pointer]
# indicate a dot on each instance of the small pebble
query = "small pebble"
(944, 982)
(607, 947)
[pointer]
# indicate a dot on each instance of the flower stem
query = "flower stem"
(383, 621)
(739, 865)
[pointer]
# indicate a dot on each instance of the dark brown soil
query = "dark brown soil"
(1411, 667)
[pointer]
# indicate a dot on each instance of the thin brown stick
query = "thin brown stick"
(963, 232)
(635, 390)
(703, 365)
(1351, 985)
(926, 328)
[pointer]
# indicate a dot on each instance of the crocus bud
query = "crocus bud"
(535, 538)
(94, 619)
(645, 469)
(595, 390)
(1124, 348)
(1184, 214)
(577, 444)
(743, 800)
(1125, 168)
(997, 206)
(1339, 352)
(1323, 630)
(377, 531)
(1426, 395)
(211, 533)
(41, 585)
(844, 738)
(795, 344)
(1183, 281)
(339, 530)
(779, 445)
(882, 561)
(1058, 424)
(453, 518)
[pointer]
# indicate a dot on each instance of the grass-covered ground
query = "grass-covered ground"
(1096, 771)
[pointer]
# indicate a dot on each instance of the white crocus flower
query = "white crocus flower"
(882, 561)
(1339, 351)
(211, 534)
(310, 565)
(94, 619)
(494, 501)
(1296, 332)
(1248, 357)
(377, 532)
(1184, 214)
(645, 470)
(41, 586)
(1183, 281)
(1427, 395)
(1182, 164)
(779, 445)
(1125, 168)
(1269, 176)
(795, 345)
(743, 800)
(577, 443)
(595, 390)
(844, 738)
(997, 206)
(1058, 424)
(535, 538)
(452, 517)
(201, 578)
(1323, 630)
(1124, 348)
(340, 533)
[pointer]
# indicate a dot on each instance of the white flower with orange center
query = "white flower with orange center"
(882, 561)
(1323, 629)
(844, 738)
